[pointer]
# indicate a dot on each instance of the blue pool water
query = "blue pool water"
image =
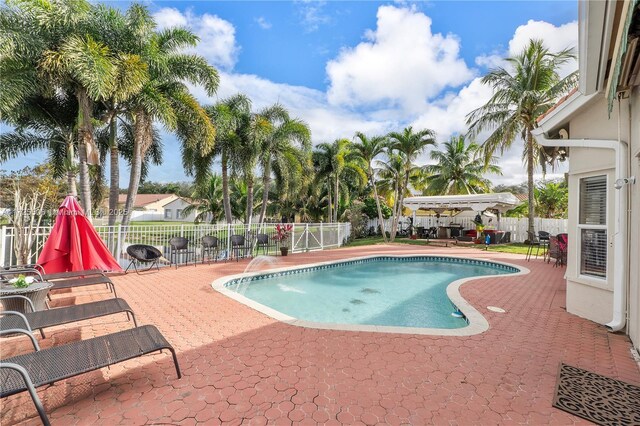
(406, 292)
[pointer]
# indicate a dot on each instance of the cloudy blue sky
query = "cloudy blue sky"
(361, 66)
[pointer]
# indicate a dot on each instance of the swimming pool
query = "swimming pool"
(379, 293)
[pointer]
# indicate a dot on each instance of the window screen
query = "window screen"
(592, 226)
(593, 200)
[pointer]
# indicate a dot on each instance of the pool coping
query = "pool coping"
(477, 323)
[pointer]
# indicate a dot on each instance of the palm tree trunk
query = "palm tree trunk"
(266, 182)
(139, 134)
(226, 200)
(337, 191)
(375, 195)
(530, 194)
(114, 183)
(71, 183)
(330, 206)
(249, 214)
(85, 139)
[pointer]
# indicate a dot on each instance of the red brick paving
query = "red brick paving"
(241, 366)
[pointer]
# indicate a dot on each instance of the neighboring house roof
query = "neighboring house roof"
(146, 199)
(185, 199)
(522, 197)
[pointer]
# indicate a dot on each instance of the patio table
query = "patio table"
(36, 292)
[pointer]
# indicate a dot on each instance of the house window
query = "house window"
(167, 214)
(179, 214)
(592, 226)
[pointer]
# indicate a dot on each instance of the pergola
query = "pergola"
(500, 202)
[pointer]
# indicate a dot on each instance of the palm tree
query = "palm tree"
(45, 123)
(240, 199)
(284, 152)
(166, 98)
(522, 93)
(227, 116)
(368, 149)
(206, 200)
(458, 169)
(410, 145)
(333, 162)
(44, 52)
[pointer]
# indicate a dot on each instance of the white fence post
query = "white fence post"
(321, 237)
(3, 244)
(293, 238)
(306, 237)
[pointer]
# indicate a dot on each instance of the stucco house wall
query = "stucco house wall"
(175, 208)
(590, 297)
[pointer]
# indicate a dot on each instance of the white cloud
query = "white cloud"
(400, 64)
(263, 23)
(312, 14)
(555, 39)
(217, 36)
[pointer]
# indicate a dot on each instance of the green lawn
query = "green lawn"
(517, 248)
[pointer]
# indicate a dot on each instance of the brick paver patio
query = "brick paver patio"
(241, 366)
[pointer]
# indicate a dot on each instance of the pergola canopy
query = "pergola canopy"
(501, 202)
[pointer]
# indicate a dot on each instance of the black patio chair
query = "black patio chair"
(46, 366)
(210, 244)
(533, 241)
(180, 246)
(543, 237)
(263, 242)
(38, 320)
(143, 254)
(505, 238)
(238, 242)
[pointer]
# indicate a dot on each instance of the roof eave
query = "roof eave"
(561, 115)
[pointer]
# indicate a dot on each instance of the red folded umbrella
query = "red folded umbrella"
(74, 245)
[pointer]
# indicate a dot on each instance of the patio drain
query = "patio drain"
(496, 309)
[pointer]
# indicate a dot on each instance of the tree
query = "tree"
(284, 151)
(333, 162)
(552, 199)
(45, 123)
(240, 199)
(409, 145)
(166, 98)
(368, 149)
(522, 93)
(459, 170)
(227, 116)
(207, 201)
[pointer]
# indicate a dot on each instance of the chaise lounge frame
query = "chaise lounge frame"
(46, 366)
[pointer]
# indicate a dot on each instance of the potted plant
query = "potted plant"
(21, 281)
(282, 236)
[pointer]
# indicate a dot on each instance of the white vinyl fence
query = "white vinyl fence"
(517, 226)
(304, 237)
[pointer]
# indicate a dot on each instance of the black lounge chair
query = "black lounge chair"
(178, 246)
(142, 253)
(210, 245)
(38, 320)
(58, 284)
(28, 371)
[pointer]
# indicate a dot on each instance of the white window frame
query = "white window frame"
(604, 227)
(179, 214)
(168, 214)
